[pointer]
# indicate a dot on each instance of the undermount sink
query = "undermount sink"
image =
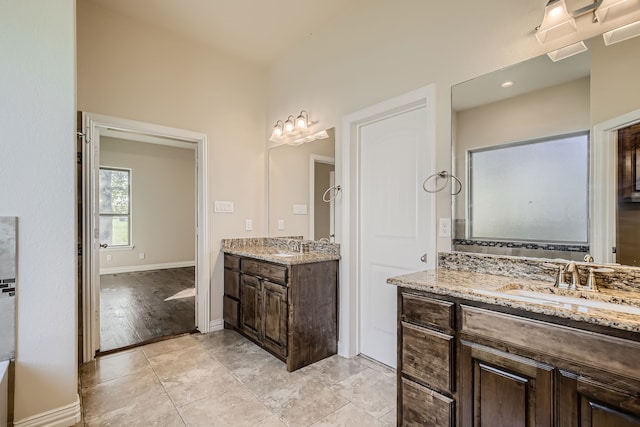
(581, 301)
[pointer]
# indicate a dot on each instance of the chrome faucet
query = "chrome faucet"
(295, 245)
(575, 276)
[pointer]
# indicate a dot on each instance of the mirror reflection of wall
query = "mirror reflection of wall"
(566, 97)
(298, 177)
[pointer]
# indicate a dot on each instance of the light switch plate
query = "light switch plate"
(299, 209)
(248, 224)
(281, 224)
(222, 206)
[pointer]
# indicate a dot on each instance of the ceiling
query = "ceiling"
(257, 30)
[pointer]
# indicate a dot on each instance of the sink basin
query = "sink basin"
(579, 302)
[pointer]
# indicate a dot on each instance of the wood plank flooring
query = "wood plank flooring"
(134, 308)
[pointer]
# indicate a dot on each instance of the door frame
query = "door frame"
(313, 159)
(604, 185)
(348, 220)
(92, 123)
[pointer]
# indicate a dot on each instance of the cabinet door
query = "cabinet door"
(424, 407)
(250, 306)
(499, 389)
(586, 403)
(275, 316)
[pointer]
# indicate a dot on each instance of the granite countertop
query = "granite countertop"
(268, 253)
(490, 288)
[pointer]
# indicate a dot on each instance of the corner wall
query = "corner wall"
(37, 172)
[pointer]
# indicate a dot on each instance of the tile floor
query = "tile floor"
(222, 379)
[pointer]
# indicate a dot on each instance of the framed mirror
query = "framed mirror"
(299, 176)
(539, 181)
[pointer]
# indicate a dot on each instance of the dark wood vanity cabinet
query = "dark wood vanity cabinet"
(291, 311)
(462, 365)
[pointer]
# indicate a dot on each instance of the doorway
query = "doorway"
(148, 281)
(147, 203)
(389, 149)
(628, 212)
(321, 180)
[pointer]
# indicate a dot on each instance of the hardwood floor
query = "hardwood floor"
(140, 307)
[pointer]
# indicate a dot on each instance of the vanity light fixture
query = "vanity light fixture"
(296, 130)
(278, 130)
(558, 22)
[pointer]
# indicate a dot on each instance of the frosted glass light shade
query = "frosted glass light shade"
(623, 33)
(557, 22)
(567, 51)
(613, 9)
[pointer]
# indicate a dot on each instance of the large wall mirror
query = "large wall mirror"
(299, 177)
(536, 181)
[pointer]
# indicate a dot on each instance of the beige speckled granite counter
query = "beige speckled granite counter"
(266, 249)
(470, 285)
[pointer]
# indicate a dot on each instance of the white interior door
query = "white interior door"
(395, 215)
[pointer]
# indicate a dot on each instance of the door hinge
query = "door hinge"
(84, 136)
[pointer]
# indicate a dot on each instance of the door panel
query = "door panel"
(394, 217)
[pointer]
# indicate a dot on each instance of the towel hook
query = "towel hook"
(336, 189)
(442, 175)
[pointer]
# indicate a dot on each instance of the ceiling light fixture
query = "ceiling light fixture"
(506, 84)
(558, 22)
(297, 130)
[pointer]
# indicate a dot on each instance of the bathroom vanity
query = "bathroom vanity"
(473, 352)
(283, 300)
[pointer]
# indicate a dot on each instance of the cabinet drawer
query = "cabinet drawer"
(231, 311)
(273, 272)
(424, 407)
(428, 356)
(232, 283)
(428, 311)
(232, 262)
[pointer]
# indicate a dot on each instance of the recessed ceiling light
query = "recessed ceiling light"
(508, 83)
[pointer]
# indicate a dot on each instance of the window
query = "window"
(535, 191)
(115, 206)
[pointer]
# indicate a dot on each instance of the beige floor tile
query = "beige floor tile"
(369, 390)
(349, 416)
(390, 418)
(333, 369)
(196, 384)
(302, 401)
(376, 366)
(128, 396)
(244, 361)
(112, 366)
(177, 363)
(272, 421)
(166, 346)
(220, 340)
(161, 414)
(236, 406)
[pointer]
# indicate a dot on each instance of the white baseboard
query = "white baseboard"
(63, 416)
(147, 267)
(216, 325)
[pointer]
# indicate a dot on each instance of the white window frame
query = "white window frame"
(129, 246)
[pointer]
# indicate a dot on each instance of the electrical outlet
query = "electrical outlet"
(109, 258)
(281, 224)
(444, 227)
(141, 255)
(248, 224)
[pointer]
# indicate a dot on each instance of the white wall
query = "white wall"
(37, 172)
(136, 71)
(163, 200)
